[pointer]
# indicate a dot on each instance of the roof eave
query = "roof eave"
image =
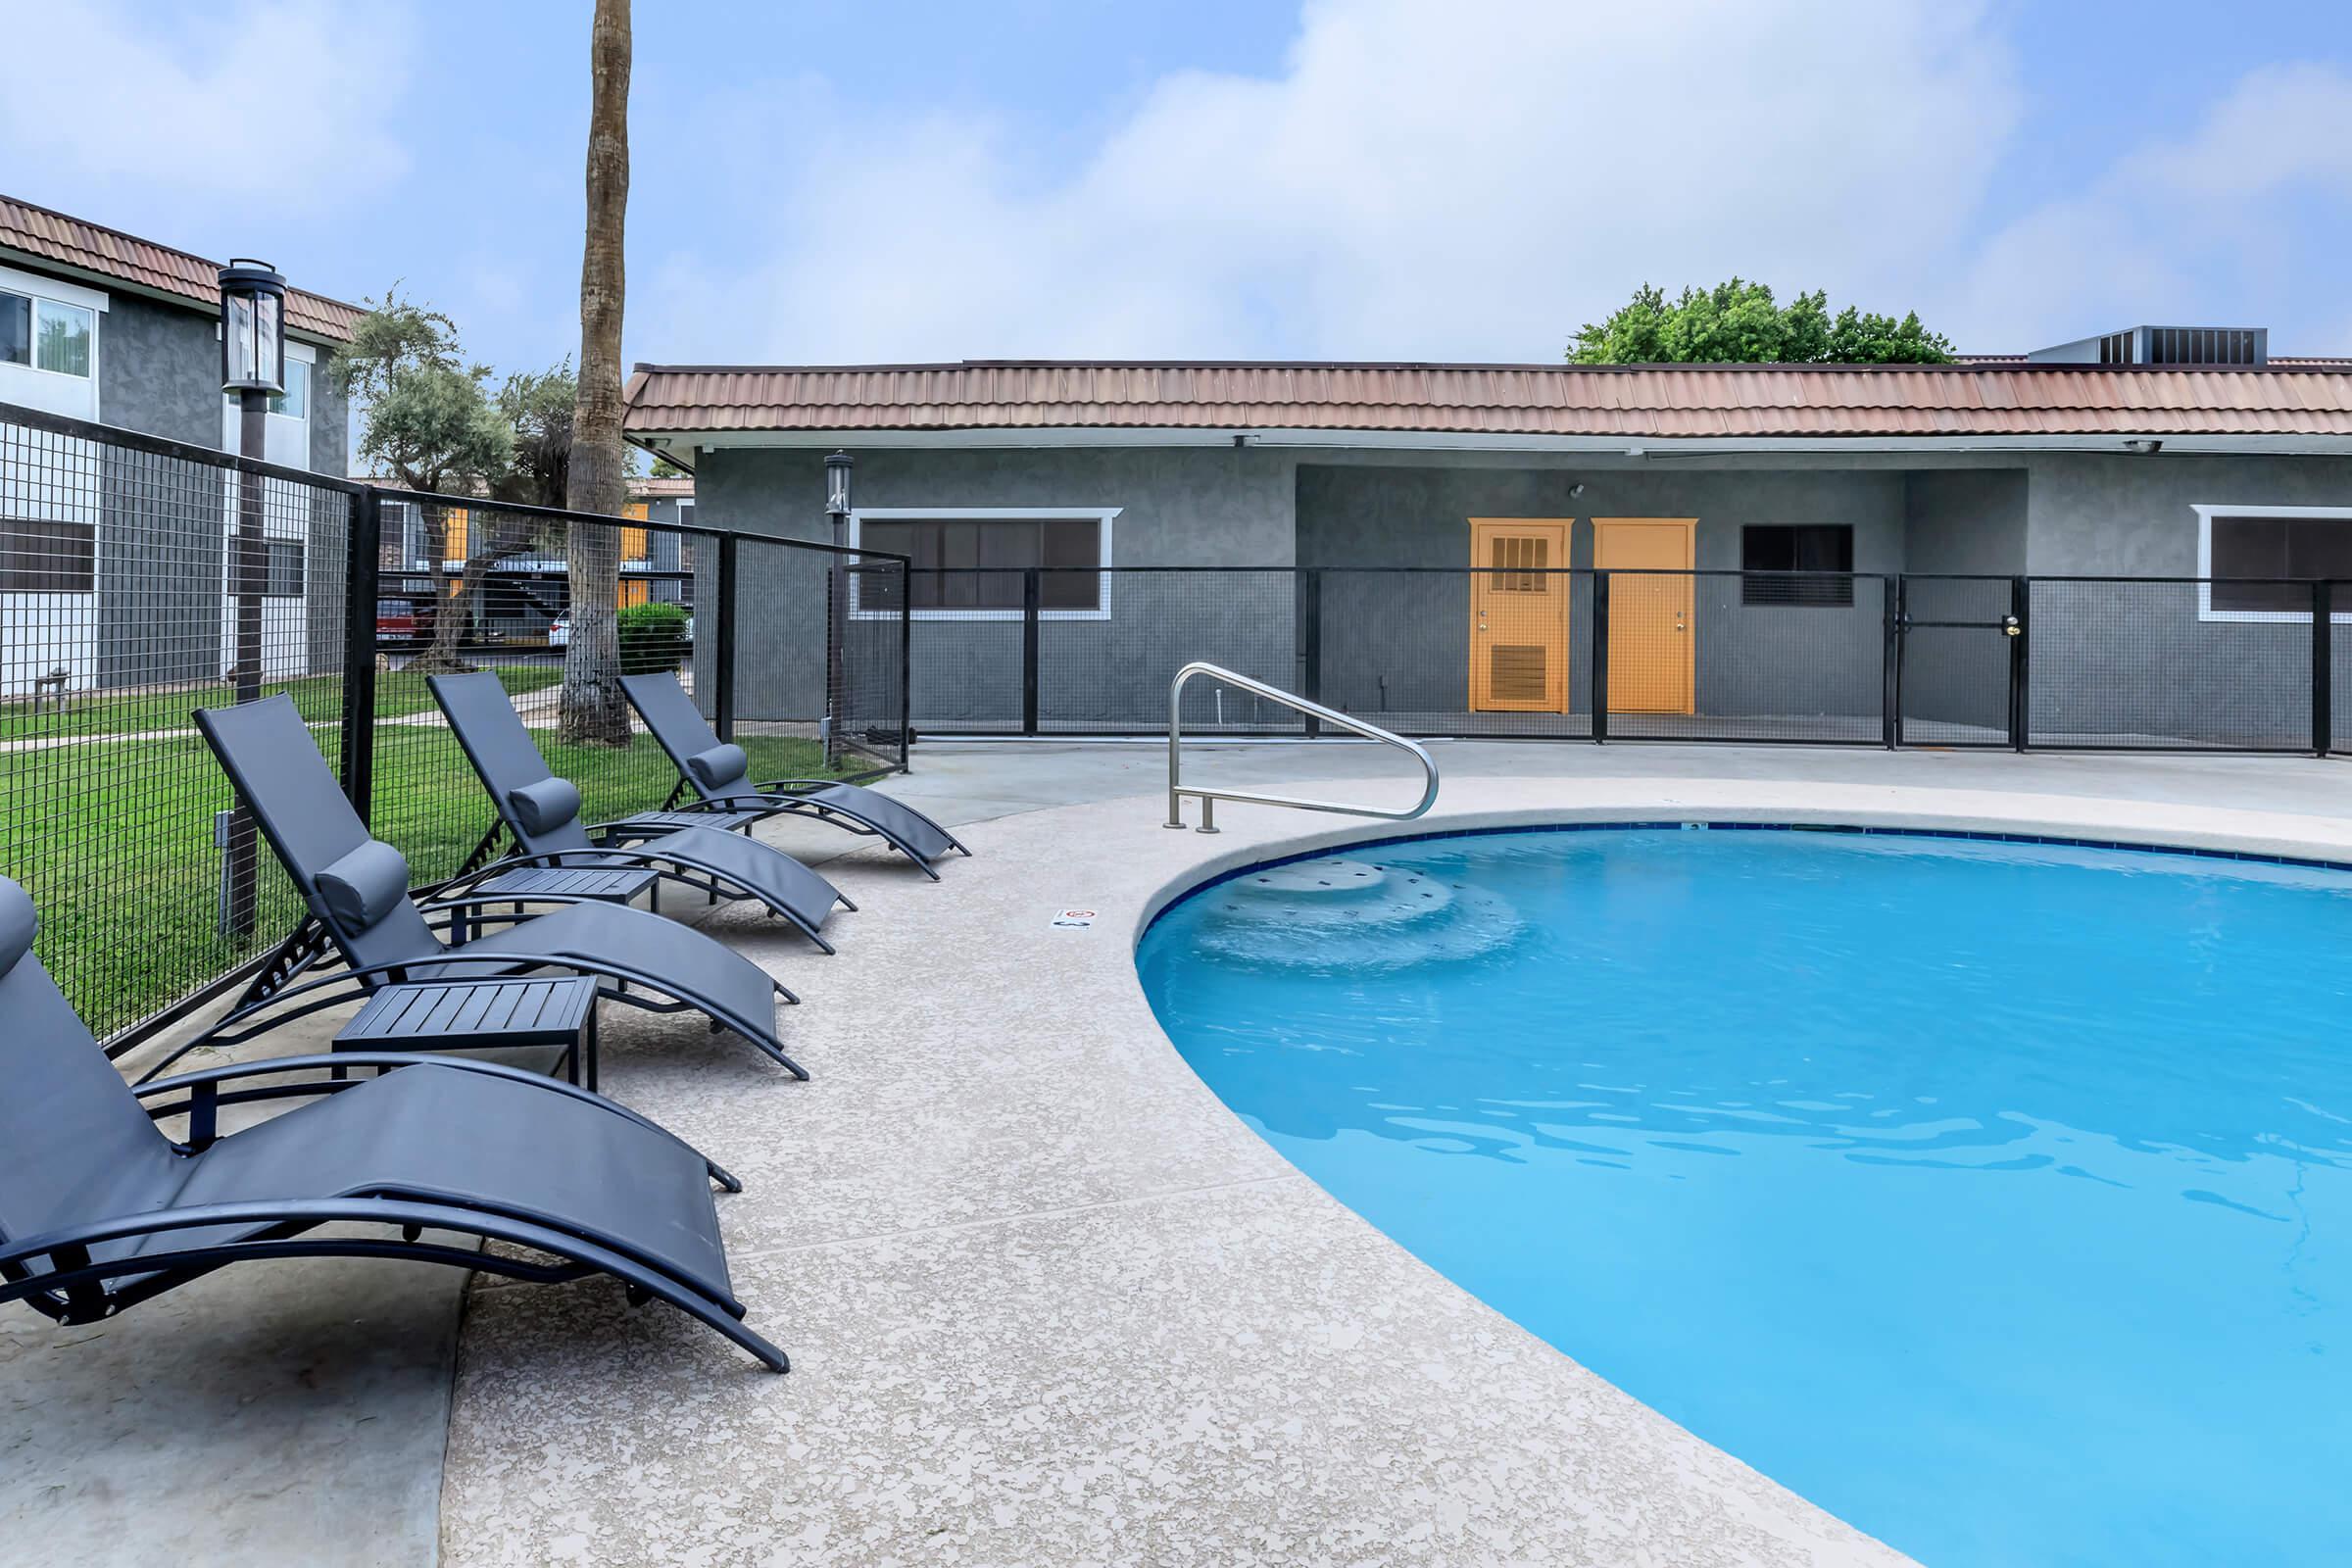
(689, 441)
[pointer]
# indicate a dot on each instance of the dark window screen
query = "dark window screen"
(47, 558)
(15, 329)
(1826, 548)
(2277, 547)
(284, 575)
(973, 562)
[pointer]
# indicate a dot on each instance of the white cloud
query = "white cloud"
(285, 102)
(2216, 228)
(1419, 180)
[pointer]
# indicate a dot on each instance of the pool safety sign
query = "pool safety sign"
(1075, 919)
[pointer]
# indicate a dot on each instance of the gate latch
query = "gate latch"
(2010, 626)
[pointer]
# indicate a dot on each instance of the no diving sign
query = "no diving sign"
(1075, 919)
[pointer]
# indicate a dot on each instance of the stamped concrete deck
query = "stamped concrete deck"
(1048, 1303)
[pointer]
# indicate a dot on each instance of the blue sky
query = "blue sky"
(1348, 179)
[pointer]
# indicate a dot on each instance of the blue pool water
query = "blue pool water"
(1996, 1196)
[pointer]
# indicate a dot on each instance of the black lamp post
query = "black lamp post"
(837, 508)
(253, 365)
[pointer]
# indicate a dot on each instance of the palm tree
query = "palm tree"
(593, 708)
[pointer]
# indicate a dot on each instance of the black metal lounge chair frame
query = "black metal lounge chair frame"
(624, 839)
(315, 936)
(70, 1290)
(776, 797)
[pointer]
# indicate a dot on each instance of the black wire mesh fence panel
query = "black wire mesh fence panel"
(2168, 663)
(1729, 656)
(971, 650)
(1451, 653)
(1103, 664)
(2335, 658)
(869, 684)
(138, 582)
(1955, 651)
(469, 585)
(786, 681)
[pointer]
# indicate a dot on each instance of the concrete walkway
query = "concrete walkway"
(1047, 1300)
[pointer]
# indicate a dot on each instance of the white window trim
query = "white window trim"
(1105, 515)
(2205, 517)
(38, 289)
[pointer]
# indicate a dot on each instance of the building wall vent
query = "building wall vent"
(2169, 347)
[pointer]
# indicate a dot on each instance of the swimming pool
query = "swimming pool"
(1995, 1195)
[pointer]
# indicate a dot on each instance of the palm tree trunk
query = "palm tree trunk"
(593, 708)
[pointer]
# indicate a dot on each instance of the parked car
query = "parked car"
(559, 631)
(404, 621)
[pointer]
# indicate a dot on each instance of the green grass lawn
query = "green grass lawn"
(320, 698)
(113, 840)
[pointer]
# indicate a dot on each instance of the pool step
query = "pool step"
(1343, 913)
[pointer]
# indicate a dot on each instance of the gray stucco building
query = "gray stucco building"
(1346, 506)
(113, 567)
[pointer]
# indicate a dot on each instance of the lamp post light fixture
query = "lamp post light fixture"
(253, 329)
(837, 508)
(253, 365)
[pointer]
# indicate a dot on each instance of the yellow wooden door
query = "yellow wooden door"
(1518, 615)
(1651, 633)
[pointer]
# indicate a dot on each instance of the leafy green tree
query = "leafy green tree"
(430, 423)
(537, 407)
(1739, 323)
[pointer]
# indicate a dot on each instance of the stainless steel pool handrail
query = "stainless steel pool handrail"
(1208, 797)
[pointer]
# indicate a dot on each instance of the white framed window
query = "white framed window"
(2254, 562)
(49, 343)
(286, 432)
(968, 562)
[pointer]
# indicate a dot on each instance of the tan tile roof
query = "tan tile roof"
(1640, 402)
(111, 253)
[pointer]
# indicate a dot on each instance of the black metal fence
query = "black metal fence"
(142, 578)
(1855, 659)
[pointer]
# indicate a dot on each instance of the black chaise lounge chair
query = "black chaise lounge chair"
(99, 1210)
(543, 815)
(357, 889)
(720, 775)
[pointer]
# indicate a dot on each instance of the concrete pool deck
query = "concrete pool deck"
(1047, 1300)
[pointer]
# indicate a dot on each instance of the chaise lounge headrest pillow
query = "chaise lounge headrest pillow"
(18, 923)
(546, 806)
(365, 884)
(719, 766)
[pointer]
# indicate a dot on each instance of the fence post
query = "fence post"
(2020, 628)
(1896, 603)
(1310, 642)
(2323, 667)
(906, 667)
(1601, 657)
(1029, 606)
(358, 650)
(722, 651)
